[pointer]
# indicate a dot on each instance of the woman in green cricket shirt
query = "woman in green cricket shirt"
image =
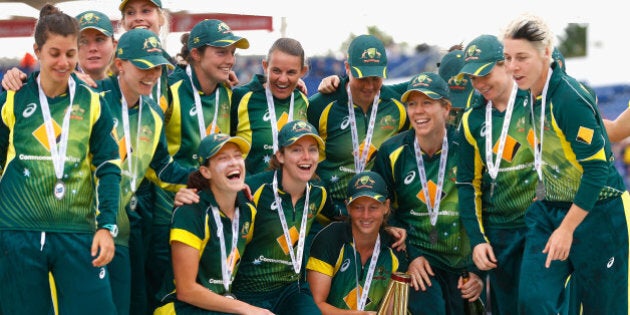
(578, 224)
(265, 104)
(419, 167)
(142, 144)
(350, 262)
(208, 238)
(59, 159)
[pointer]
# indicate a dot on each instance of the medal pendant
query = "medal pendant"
(433, 236)
(59, 190)
(133, 203)
(540, 191)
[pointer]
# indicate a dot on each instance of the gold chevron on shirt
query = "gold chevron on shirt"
(510, 149)
(432, 190)
(42, 136)
(294, 234)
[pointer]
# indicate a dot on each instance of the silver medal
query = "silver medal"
(433, 236)
(60, 190)
(540, 191)
(133, 203)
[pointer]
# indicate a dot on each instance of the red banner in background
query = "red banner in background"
(180, 22)
(17, 28)
(184, 22)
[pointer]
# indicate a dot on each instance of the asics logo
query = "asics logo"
(482, 132)
(345, 265)
(101, 273)
(611, 261)
(274, 205)
(193, 111)
(30, 109)
(345, 123)
(409, 178)
(115, 122)
(266, 116)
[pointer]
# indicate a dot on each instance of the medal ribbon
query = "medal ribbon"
(493, 168)
(198, 108)
(297, 261)
(226, 266)
(361, 161)
(434, 209)
(58, 154)
(126, 130)
(537, 149)
(272, 115)
(370, 274)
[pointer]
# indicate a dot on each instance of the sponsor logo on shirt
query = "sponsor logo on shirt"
(29, 110)
(410, 177)
(345, 265)
(345, 123)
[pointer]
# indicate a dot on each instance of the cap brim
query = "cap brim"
(152, 61)
(370, 194)
(320, 143)
(238, 42)
(100, 29)
(124, 3)
(240, 143)
(426, 92)
(369, 71)
(479, 69)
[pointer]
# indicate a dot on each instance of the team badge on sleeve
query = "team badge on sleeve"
(585, 135)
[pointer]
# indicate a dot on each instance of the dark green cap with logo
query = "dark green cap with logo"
(214, 33)
(367, 57)
(143, 48)
(481, 54)
(96, 20)
(459, 84)
(294, 130)
(122, 5)
(428, 83)
(367, 184)
(212, 144)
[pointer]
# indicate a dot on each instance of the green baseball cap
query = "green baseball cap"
(143, 48)
(157, 3)
(295, 130)
(459, 85)
(96, 20)
(214, 33)
(367, 57)
(430, 84)
(212, 144)
(367, 184)
(481, 54)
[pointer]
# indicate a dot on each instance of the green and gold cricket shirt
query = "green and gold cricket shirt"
(577, 160)
(148, 151)
(447, 245)
(91, 170)
(194, 225)
(251, 120)
(498, 203)
(332, 121)
(267, 264)
(333, 254)
(182, 127)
